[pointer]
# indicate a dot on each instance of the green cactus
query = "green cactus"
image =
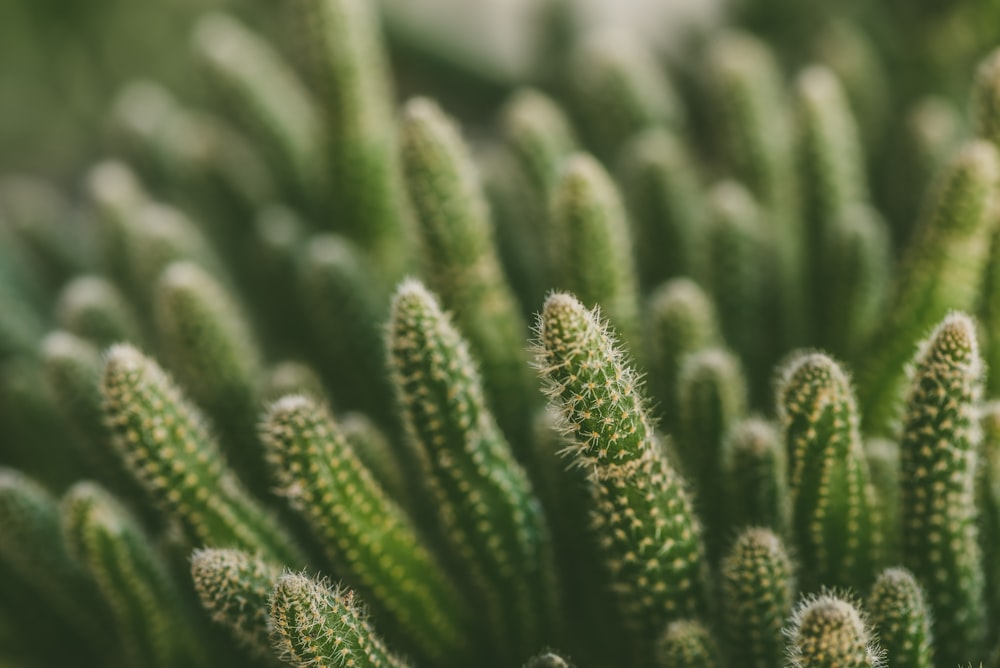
(326, 627)
(367, 538)
(937, 472)
(491, 519)
(460, 258)
(834, 519)
(901, 619)
(941, 270)
(235, 588)
(640, 512)
(548, 660)
(93, 308)
(166, 444)
(754, 466)
(377, 453)
(829, 632)
(986, 98)
(154, 625)
(757, 592)
(883, 464)
(591, 244)
(988, 501)
(686, 644)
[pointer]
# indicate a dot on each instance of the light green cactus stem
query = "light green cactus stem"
(35, 213)
(548, 660)
(758, 586)
(354, 94)
(461, 262)
(209, 345)
(859, 263)
(291, 377)
(740, 275)
(235, 588)
(591, 243)
(938, 461)
(712, 396)
(153, 623)
(901, 619)
(618, 89)
(660, 185)
(491, 518)
(752, 121)
(686, 644)
(680, 319)
(943, 269)
(266, 97)
(988, 502)
(536, 136)
(986, 98)
(116, 196)
(32, 546)
(342, 304)
(883, 465)
(325, 627)
(166, 444)
(835, 524)
(197, 157)
(366, 536)
(649, 535)
(754, 466)
(93, 308)
(829, 632)
(377, 453)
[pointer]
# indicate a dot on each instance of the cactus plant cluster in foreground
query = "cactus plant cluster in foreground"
(661, 367)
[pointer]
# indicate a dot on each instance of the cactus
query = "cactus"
(366, 536)
(834, 518)
(758, 586)
(754, 466)
(937, 473)
(323, 626)
(94, 309)
(656, 560)
(901, 619)
(829, 632)
(548, 660)
(686, 644)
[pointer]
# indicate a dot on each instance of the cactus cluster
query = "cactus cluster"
(649, 369)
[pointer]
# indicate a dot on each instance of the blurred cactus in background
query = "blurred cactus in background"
(510, 334)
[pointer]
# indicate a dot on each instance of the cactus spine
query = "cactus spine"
(901, 619)
(829, 632)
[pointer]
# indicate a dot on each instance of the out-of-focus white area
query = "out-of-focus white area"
(502, 34)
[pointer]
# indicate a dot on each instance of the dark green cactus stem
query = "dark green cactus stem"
(740, 276)
(938, 459)
(548, 660)
(712, 396)
(34, 211)
(752, 119)
(116, 196)
(883, 465)
(942, 269)
(93, 308)
(758, 587)
(618, 89)
(491, 518)
(686, 644)
(153, 623)
(901, 619)
(461, 264)
(660, 184)
(754, 464)
(325, 627)
(235, 588)
(165, 443)
(829, 632)
(208, 343)
(33, 547)
(859, 263)
(354, 90)
(342, 304)
(377, 454)
(267, 98)
(988, 503)
(834, 519)
(680, 319)
(986, 98)
(640, 512)
(368, 538)
(591, 243)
